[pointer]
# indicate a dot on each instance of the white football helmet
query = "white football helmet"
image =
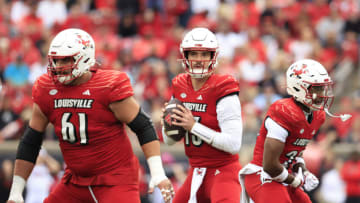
(309, 83)
(76, 44)
(199, 39)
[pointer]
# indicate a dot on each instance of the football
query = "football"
(173, 131)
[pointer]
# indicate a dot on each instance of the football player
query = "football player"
(212, 118)
(89, 109)
(277, 172)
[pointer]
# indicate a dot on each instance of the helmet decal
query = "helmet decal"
(300, 70)
(82, 41)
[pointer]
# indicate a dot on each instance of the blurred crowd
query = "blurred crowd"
(258, 39)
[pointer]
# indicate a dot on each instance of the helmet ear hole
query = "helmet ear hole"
(186, 54)
(296, 89)
(212, 54)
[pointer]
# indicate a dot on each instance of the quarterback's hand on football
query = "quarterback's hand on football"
(166, 189)
(184, 118)
(162, 114)
(310, 181)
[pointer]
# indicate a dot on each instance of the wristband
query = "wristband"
(203, 132)
(300, 160)
(282, 176)
(17, 189)
(156, 169)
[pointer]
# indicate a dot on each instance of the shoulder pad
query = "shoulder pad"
(225, 85)
(285, 112)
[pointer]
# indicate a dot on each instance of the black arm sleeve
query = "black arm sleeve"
(30, 145)
(143, 127)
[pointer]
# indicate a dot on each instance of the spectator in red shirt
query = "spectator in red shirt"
(350, 173)
(201, 20)
(77, 18)
(29, 51)
(256, 43)
(292, 10)
(148, 46)
(105, 4)
(151, 22)
(350, 47)
(31, 25)
(328, 54)
(247, 11)
(5, 56)
(317, 10)
(347, 8)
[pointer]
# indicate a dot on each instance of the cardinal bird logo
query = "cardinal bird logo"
(86, 43)
(300, 70)
(168, 119)
(199, 171)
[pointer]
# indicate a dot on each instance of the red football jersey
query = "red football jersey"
(290, 116)
(93, 142)
(202, 103)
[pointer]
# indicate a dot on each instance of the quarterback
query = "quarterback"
(212, 120)
(89, 109)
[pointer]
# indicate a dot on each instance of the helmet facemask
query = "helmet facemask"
(63, 74)
(199, 68)
(319, 96)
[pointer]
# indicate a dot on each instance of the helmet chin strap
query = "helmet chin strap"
(343, 117)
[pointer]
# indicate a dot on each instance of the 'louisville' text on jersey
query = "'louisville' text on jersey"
(301, 142)
(73, 103)
(196, 106)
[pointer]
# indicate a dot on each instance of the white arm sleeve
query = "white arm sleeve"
(275, 131)
(167, 139)
(229, 139)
